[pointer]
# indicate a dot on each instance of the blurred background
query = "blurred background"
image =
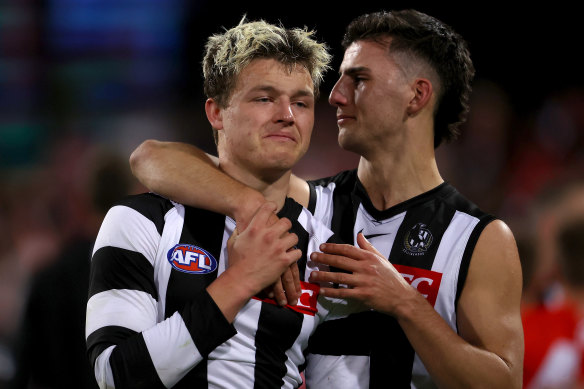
(84, 82)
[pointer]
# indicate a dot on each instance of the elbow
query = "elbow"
(142, 154)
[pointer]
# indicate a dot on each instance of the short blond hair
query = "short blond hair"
(227, 54)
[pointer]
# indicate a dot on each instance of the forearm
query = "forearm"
(158, 356)
(187, 175)
(451, 361)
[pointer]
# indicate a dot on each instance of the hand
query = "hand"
(372, 279)
(261, 253)
(287, 289)
(245, 210)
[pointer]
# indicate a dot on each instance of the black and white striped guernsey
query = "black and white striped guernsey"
(150, 322)
(430, 240)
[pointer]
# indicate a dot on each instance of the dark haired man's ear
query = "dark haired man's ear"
(423, 91)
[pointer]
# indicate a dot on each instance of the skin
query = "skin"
(385, 112)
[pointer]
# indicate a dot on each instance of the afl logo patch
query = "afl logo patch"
(418, 240)
(191, 259)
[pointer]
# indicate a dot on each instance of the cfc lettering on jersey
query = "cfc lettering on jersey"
(307, 301)
(427, 282)
(191, 259)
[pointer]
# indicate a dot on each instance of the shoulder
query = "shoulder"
(146, 203)
(307, 193)
(495, 259)
(141, 208)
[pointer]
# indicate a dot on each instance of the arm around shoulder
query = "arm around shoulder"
(188, 175)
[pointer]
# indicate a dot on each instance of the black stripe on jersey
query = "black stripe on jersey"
(206, 323)
(208, 328)
(132, 366)
(278, 328)
(443, 190)
(467, 255)
(104, 337)
(291, 210)
(312, 198)
(345, 200)
(432, 218)
(203, 229)
(117, 268)
(346, 336)
(392, 355)
(151, 206)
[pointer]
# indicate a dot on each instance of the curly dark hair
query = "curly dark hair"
(437, 44)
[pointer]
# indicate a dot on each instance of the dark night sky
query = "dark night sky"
(531, 52)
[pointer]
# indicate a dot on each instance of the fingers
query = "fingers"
(296, 278)
(366, 245)
(324, 277)
(263, 213)
(345, 250)
(338, 261)
(290, 285)
(278, 293)
(342, 293)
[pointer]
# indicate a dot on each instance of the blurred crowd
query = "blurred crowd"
(64, 163)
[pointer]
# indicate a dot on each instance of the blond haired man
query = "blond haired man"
(170, 299)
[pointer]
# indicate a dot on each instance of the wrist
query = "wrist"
(410, 305)
(230, 294)
(245, 206)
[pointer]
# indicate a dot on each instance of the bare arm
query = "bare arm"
(188, 175)
(488, 351)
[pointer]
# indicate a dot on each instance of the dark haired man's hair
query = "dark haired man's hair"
(432, 41)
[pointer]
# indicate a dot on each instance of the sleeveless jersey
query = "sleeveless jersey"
(151, 323)
(430, 240)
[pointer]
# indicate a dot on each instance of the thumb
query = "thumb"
(233, 237)
(366, 245)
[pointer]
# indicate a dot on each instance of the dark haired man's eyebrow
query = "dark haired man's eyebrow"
(354, 70)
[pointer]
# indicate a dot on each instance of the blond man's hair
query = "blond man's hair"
(227, 54)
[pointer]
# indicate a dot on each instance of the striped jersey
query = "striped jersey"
(430, 240)
(151, 323)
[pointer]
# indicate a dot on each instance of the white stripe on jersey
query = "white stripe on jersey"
(172, 361)
(126, 308)
(323, 210)
(386, 230)
(233, 356)
(139, 235)
(170, 236)
(447, 262)
(103, 370)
